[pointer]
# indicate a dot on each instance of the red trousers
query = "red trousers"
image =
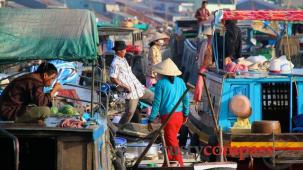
(171, 131)
(199, 86)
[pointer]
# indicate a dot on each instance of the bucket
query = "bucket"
(120, 142)
(144, 121)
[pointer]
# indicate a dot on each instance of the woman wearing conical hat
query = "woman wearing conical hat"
(154, 57)
(168, 91)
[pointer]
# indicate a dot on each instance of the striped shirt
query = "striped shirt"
(120, 70)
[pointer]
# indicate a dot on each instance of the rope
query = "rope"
(296, 85)
(274, 149)
(287, 39)
(215, 49)
(112, 150)
(253, 5)
(288, 47)
(223, 51)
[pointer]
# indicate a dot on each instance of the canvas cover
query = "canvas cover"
(29, 34)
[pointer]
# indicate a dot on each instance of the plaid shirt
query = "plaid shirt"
(120, 70)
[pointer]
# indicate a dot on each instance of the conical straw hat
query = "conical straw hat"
(167, 67)
(158, 36)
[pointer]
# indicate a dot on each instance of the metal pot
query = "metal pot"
(266, 126)
(240, 106)
(137, 148)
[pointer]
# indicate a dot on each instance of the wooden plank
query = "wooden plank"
(36, 126)
(89, 157)
(59, 155)
(163, 168)
(215, 89)
(216, 165)
(251, 137)
(105, 153)
(203, 122)
(96, 157)
(80, 155)
(298, 161)
(73, 138)
(290, 157)
(290, 154)
(280, 144)
(203, 137)
(73, 154)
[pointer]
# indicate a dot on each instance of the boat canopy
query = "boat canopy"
(272, 15)
(31, 34)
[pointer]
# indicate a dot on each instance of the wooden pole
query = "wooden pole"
(214, 116)
(221, 146)
(92, 90)
(165, 150)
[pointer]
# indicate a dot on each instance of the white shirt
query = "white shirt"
(120, 70)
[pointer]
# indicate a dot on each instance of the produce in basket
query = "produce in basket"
(67, 110)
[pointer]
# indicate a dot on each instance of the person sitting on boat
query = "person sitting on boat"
(154, 57)
(121, 74)
(28, 90)
(233, 40)
(169, 90)
(230, 41)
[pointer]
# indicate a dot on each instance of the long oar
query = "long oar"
(214, 115)
(218, 132)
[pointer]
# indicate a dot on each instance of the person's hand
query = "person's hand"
(127, 89)
(150, 127)
(124, 88)
(185, 118)
(224, 29)
(56, 87)
(227, 60)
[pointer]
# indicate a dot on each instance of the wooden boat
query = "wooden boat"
(60, 35)
(272, 96)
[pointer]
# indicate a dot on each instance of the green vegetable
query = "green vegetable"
(54, 110)
(60, 114)
(67, 109)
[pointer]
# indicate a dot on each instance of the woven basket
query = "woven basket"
(127, 24)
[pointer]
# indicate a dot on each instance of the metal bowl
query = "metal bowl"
(266, 126)
(136, 148)
(240, 106)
